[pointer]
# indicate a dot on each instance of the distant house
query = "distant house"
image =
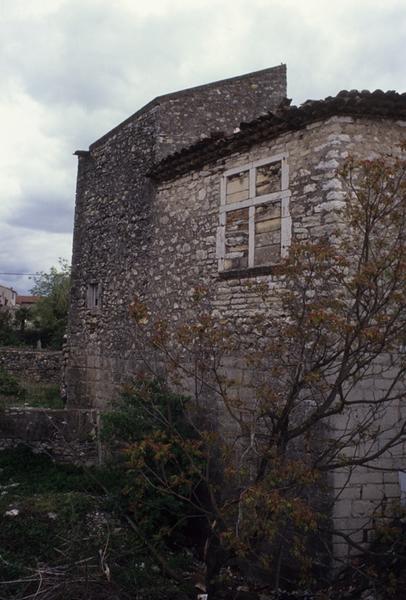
(7, 297)
(27, 301)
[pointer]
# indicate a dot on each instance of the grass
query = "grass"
(44, 395)
(37, 395)
(62, 518)
(37, 488)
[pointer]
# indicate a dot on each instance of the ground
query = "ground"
(64, 536)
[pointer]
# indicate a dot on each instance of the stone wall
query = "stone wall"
(217, 108)
(366, 496)
(115, 220)
(37, 366)
(161, 242)
(180, 253)
(67, 435)
(186, 218)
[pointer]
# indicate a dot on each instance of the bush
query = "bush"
(8, 336)
(9, 386)
(68, 537)
(44, 395)
(150, 429)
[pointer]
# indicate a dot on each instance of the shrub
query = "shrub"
(151, 430)
(9, 386)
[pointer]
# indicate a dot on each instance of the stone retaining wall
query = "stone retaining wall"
(41, 366)
(67, 435)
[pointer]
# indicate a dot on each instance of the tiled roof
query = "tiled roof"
(363, 104)
(27, 299)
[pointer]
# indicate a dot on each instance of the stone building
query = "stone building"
(114, 223)
(7, 296)
(181, 194)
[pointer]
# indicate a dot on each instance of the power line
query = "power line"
(29, 274)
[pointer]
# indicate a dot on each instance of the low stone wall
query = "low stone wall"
(42, 366)
(67, 435)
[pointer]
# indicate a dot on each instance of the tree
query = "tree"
(50, 313)
(7, 334)
(21, 316)
(336, 320)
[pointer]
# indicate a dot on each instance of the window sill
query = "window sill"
(245, 273)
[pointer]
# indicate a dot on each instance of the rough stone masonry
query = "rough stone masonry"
(32, 365)
(114, 219)
(155, 219)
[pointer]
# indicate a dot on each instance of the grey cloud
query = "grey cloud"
(44, 212)
(27, 251)
(342, 47)
(97, 56)
(14, 259)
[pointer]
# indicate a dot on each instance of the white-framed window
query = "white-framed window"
(255, 224)
(93, 295)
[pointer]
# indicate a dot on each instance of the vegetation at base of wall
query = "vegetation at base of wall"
(292, 410)
(10, 389)
(64, 535)
(381, 573)
(169, 491)
(8, 334)
(43, 395)
(180, 472)
(150, 431)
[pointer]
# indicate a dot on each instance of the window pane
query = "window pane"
(267, 233)
(268, 179)
(236, 237)
(237, 187)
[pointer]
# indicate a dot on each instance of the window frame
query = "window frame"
(93, 295)
(283, 195)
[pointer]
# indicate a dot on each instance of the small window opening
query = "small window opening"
(93, 295)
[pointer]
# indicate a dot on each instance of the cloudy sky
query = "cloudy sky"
(72, 69)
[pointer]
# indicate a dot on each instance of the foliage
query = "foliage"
(70, 541)
(8, 335)
(9, 386)
(335, 318)
(53, 282)
(14, 392)
(35, 488)
(172, 458)
(381, 573)
(386, 566)
(150, 426)
(67, 538)
(43, 395)
(50, 314)
(21, 316)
